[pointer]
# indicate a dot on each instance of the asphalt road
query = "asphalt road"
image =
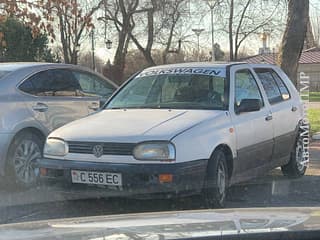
(269, 191)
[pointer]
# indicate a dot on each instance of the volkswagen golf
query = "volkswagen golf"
(185, 129)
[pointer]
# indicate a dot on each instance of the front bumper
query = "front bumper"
(187, 177)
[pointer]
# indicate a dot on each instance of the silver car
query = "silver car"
(36, 98)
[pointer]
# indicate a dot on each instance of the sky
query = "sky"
(251, 45)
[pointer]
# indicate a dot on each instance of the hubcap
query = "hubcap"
(299, 156)
(25, 155)
(221, 180)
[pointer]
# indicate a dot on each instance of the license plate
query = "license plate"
(99, 178)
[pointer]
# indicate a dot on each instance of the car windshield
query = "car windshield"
(185, 91)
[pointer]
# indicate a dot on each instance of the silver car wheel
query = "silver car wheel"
(24, 157)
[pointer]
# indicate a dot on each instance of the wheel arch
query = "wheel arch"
(229, 157)
(33, 130)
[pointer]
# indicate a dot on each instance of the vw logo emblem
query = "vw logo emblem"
(97, 151)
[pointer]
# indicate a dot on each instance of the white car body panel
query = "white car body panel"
(132, 125)
(147, 125)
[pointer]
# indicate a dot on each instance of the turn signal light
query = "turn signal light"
(165, 178)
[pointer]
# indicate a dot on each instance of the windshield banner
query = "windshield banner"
(218, 72)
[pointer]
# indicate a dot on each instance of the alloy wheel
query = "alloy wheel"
(24, 158)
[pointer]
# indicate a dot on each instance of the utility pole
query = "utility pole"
(212, 36)
(212, 4)
(198, 31)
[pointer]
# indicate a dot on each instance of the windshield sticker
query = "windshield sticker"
(219, 72)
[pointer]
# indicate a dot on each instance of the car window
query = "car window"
(27, 87)
(283, 88)
(53, 82)
(246, 87)
(93, 85)
(274, 87)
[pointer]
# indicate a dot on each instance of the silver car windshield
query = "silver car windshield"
(185, 91)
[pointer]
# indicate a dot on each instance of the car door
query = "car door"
(53, 98)
(95, 90)
(284, 112)
(254, 132)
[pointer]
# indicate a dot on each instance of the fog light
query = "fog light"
(43, 171)
(165, 178)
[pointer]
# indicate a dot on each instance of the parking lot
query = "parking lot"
(53, 202)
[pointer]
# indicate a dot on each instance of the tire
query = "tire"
(296, 167)
(217, 180)
(24, 150)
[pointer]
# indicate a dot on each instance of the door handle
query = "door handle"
(268, 117)
(94, 106)
(294, 108)
(40, 107)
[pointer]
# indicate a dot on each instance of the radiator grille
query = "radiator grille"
(109, 148)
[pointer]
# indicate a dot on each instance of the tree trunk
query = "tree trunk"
(230, 30)
(63, 40)
(293, 38)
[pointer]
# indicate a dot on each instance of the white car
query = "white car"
(185, 128)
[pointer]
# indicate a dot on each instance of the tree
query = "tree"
(71, 20)
(247, 18)
(218, 53)
(147, 11)
(170, 14)
(19, 43)
(293, 37)
(310, 40)
(120, 12)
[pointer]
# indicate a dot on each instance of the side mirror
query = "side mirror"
(248, 105)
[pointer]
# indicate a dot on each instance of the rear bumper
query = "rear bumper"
(187, 178)
(5, 140)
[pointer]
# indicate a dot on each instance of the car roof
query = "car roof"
(20, 70)
(12, 66)
(209, 65)
(198, 64)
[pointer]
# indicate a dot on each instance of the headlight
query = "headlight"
(161, 151)
(55, 147)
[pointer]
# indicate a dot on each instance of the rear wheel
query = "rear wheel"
(217, 180)
(296, 166)
(25, 149)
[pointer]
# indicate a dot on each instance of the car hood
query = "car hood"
(171, 225)
(133, 125)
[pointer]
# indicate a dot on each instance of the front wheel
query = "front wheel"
(25, 149)
(217, 180)
(297, 165)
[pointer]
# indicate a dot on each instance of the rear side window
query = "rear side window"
(93, 85)
(54, 82)
(273, 85)
(246, 87)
